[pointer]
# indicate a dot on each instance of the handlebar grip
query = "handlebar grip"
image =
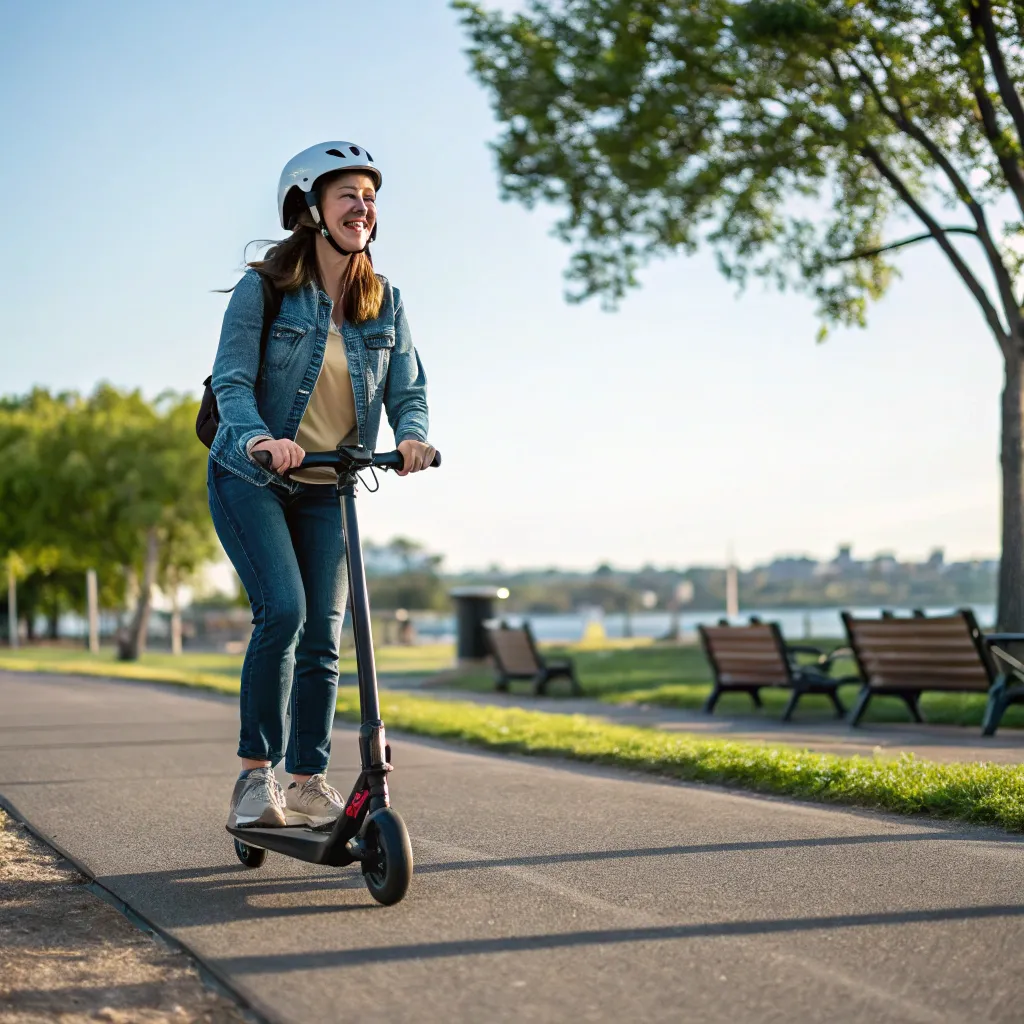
(396, 460)
(264, 458)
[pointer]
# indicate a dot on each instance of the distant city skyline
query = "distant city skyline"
(380, 558)
(858, 557)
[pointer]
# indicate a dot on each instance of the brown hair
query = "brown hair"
(291, 263)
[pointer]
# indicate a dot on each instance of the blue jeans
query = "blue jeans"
(288, 551)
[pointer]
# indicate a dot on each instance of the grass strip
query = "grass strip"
(419, 661)
(977, 792)
(122, 670)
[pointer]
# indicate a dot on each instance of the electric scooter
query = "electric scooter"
(370, 830)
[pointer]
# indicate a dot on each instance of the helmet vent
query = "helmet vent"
(354, 150)
(336, 152)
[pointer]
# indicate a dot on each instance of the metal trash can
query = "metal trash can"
(473, 607)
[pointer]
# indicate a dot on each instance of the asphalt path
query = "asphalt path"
(543, 892)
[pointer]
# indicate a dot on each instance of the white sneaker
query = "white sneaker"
(313, 803)
(257, 801)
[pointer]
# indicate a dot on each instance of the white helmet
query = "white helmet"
(297, 189)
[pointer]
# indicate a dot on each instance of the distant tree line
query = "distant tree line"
(108, 481)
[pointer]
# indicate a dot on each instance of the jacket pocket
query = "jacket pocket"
(379, 344)
(282, 342)
(379, 339)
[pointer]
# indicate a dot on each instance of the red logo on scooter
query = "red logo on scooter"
(355, 805)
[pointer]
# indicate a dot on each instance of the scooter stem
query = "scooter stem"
(372, 744)
(365, 665)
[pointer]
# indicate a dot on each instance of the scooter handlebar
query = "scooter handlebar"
(382, 460)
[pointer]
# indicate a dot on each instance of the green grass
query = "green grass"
(979, 793)
(196, 666)
(218, 671)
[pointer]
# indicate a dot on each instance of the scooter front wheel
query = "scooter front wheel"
(250, 856)
(387, 867)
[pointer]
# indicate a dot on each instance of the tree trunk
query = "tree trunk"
(175, 614)
(12, 607)
(132, 642)
(1010, 610)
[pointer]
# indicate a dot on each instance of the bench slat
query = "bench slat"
(960, 645)
(746, 655)
(513, 651)
(752, 679)
(919, 654)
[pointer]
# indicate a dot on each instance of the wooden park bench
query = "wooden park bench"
(904, 657)
(747, 659)
(516, 657)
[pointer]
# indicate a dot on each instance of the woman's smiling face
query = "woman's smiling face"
(348, 206)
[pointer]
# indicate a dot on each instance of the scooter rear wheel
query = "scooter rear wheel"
(250, 856)
(387, 869)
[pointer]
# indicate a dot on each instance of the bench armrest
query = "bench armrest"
(1003, 638)
(825, 661)
(840, 652)
(1015, 666)
(804, 649)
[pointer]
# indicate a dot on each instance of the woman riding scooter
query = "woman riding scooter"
(337, 352)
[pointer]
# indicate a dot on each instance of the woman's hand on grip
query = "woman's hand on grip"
(417, 454)
(284, 453)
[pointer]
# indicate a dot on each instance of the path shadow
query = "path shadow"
(315, 959)
(583, 856)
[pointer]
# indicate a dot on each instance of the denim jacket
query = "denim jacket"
(385, 370)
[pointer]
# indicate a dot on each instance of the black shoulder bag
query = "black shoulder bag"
(208, 418)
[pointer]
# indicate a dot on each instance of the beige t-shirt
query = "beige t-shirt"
(330, 416)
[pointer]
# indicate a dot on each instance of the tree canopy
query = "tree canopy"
(787, 135)
(107, 481)
(796, 138)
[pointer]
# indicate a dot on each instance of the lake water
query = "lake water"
(796, 623)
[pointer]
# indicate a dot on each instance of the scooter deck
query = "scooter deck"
(300, 842)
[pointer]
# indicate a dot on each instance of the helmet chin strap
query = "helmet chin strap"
(314, 210)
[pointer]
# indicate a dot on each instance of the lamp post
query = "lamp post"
(93, 610)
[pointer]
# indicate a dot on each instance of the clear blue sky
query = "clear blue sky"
(141, 149)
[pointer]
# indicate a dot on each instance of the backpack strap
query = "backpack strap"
(271, 307)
